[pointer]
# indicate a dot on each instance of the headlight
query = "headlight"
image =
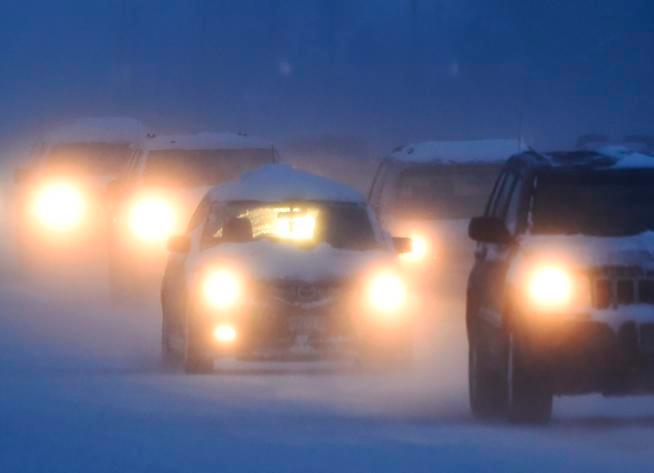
(59, 206)
(419, 249)
(222, 289)
(152, 219)
(387, 292)
(551, 287)
(225, 334)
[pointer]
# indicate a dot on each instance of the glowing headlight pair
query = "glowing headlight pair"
(152, 219)
(59, 206)
(222, 289)
(554, 287)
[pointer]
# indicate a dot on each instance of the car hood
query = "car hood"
(267, 260)
(443, 229)
(590, 252)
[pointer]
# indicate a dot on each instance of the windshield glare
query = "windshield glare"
(87, 158)
(188, 168)
(601, 204)
(444, 192)
(341, 225)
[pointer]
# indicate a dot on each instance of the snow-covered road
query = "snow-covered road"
(81, 390)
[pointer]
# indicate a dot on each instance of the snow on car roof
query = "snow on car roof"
(627, 158)
(605, 158)
(281, 182)
(118, 130)
(473, 151)
(207, 140)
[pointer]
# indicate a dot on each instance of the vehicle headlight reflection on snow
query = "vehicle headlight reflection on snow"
(222, 289)
(59, 206)
(152, 219)
(386, 292)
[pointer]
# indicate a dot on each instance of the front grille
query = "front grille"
(299, 292)
(622, 285)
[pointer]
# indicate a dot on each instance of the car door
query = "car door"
(174, 283)
(374, 196)
(491, 262)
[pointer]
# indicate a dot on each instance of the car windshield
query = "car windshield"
(341, 225)
(601, 204)
(444, 192)
(188, 168)
(87, 158)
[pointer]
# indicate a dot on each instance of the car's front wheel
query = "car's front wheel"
(197, 360)
(529, 394)
(486, 390)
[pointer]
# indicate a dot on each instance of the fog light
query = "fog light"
(225, 334)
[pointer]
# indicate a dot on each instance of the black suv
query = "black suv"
(561, 297)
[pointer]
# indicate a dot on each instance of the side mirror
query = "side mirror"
(22, 175)
(179, 244)
(402, 245)
(489, 230)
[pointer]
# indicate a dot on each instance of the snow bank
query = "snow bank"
(280, 182)
(474, 151)
(207, 140)
(269, 260)
(117, 130)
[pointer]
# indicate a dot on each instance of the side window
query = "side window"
(214, 218)
(377, 184)
(503, 196)
(490, 206)
(199, 215)
(512, 217)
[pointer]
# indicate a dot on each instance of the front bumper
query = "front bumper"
(275, 330)
(606, 351)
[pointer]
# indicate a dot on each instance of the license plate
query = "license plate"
(306, 324)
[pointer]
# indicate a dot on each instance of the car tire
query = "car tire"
(119, 284)
(198, 365)
(485, 387)
(196, 361)
(529, 395)
(168, 355)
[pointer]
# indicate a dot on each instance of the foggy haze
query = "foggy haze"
(387, 72)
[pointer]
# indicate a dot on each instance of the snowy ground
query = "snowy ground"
(82, 390)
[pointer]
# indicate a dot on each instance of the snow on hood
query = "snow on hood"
(474, 151)
(207, 140)
(590, 251)
(280, 182)
(267, 260)
(116, 130)
(626, 158)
